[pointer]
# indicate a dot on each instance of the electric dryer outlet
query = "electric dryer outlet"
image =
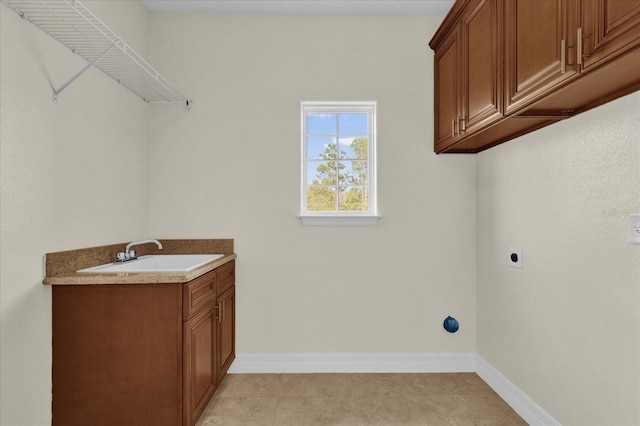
(634, 228)
(515, 257)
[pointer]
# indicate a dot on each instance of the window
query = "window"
(338, 163)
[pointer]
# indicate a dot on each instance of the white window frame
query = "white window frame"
(369, 217)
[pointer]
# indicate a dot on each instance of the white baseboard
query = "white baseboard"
(531, 412)
(354, 363)
(527, 408)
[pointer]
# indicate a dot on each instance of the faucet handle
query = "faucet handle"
(122, 256)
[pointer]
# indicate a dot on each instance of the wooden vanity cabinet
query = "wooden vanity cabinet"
(200, 373)
(226, 331)
(141, 354)
(226, 318)
(117, 355)
(199, 346)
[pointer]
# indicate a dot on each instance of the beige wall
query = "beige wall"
(566, 328)
(73, 175)
(103, 167)
(230, 167)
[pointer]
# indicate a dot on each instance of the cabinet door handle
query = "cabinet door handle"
(463, 125)
(453, 128)
(217, 313)
(579, 54)
(563, 56)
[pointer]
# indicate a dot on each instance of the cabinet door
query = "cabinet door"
(540, 45)
(447, 89)
(117, 355)
(609, 28)
(482, 85)
(226, 331)
(200, 375)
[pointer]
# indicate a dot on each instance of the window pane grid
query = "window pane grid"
(337, 164)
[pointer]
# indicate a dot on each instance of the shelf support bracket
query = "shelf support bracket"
(56, 92)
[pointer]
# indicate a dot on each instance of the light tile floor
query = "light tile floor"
(452, 399)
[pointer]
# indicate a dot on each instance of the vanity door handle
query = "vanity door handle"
(217, 314)
(220, 311)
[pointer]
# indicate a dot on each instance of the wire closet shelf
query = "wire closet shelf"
(73, 25)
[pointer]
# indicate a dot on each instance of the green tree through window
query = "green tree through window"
(340, 181)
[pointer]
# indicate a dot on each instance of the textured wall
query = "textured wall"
(73, 175)
(230, 167)
(565, 328)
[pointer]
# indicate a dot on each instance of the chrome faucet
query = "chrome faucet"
(128, 254)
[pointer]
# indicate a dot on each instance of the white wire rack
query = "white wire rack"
(73, 25)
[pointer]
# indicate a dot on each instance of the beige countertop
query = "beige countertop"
(61, 267)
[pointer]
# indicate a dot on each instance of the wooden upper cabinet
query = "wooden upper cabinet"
(504, 68)
(540, 46)
(482, 89)
(550, 44)
(468, 76)
(607, 30)
(447, 88)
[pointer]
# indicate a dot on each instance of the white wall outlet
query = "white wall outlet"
(634, 228)
(515, 257)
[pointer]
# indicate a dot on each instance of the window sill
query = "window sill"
(339, 220)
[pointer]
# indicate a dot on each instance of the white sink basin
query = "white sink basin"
(155, 263)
